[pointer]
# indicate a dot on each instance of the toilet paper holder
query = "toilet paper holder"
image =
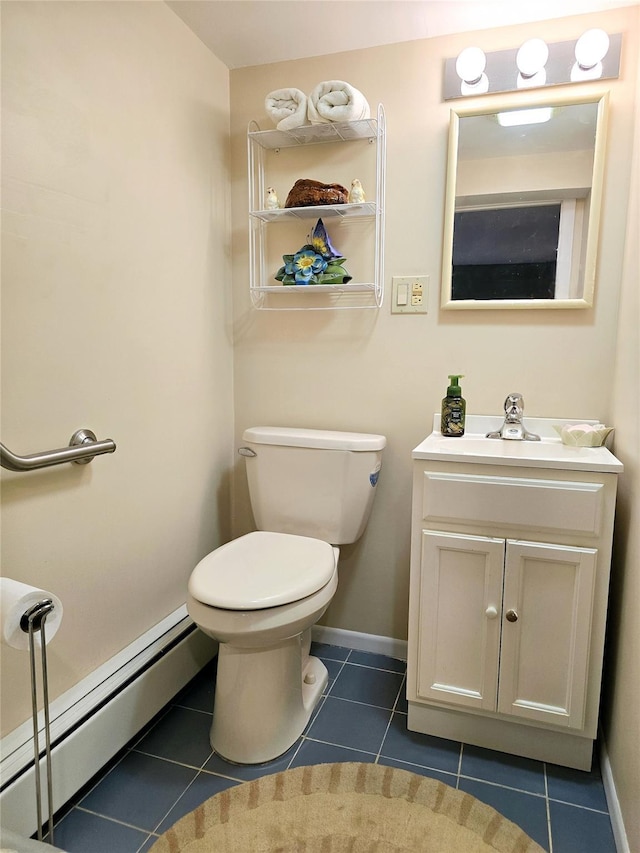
(33, 620)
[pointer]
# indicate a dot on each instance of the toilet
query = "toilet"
(259, 595)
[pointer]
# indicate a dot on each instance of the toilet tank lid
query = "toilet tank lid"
(324, 439)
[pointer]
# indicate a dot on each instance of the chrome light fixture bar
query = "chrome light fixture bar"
(534, 65)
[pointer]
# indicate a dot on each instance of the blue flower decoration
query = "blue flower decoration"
(306, 265)
(321, 243)
(317, 262)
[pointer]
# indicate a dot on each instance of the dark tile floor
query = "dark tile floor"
(169, 769)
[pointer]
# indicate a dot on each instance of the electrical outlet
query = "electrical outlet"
(409, 294)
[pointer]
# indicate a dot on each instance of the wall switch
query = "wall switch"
(409, 294)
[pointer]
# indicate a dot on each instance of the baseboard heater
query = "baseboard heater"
(93, 720)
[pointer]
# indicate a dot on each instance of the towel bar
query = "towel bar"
(82, 448)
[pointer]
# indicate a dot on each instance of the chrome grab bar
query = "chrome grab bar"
(82, 448)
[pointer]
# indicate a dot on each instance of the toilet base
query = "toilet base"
(264, 699)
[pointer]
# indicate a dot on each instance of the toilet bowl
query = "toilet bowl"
(259, 595)
(267, 683)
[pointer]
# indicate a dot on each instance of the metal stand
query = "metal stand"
(33, 620)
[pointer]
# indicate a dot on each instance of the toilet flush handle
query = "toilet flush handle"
(246, 451)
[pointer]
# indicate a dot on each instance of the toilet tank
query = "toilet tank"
(318, 483)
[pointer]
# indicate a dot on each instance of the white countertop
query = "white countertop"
(550, 452)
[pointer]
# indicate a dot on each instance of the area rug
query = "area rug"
(335, 808)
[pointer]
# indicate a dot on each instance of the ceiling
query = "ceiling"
(255, 32)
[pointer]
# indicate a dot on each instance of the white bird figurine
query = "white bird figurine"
(356, 194)
(272, 199)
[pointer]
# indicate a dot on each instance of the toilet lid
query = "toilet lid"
(262, 570)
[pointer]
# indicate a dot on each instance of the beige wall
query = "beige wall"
(116, 316)
(622, 683)
(386, 373)
(374, 371)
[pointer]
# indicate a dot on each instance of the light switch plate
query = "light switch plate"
(416, 289)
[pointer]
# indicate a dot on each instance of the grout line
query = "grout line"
(373, 668)
(114, 820)
(364, 704)
(420, 766)
(579, 806)
(196, 767)
(150, 837)
(500, 785)
(340, 746)
(548, 809)
(175, 803)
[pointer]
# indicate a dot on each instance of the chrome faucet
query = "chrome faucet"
(513, 428)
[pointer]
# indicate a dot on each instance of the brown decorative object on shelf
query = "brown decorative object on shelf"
(308, 193)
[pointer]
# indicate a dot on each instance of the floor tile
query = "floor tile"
(333, 668)
(139, 791)
(576, 787)
(157, 778)
(350, 724)
(577, 830)
(425, 750)
(181, 735)
(314, 752)
(378, 661)
(200, 692)
(402, 705)
(526, 810)
(371, 686)
(502, 769)
(80, 832)
(204, 786)
(324, 650)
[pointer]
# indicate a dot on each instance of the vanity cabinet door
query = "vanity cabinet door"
(546, 622)
(459, 630)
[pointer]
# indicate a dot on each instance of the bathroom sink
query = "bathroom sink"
(549, 452)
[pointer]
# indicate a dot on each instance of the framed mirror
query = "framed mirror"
(522, 209)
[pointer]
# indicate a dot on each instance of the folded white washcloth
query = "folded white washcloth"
(287, 108)
(335, 100)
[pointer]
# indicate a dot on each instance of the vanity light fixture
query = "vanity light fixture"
(535, 64)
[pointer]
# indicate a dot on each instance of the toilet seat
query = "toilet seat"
(262, 570)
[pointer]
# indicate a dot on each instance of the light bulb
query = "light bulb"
(591, 48)
(470, 65)
(533, 81)
(580, 74)
(479, 87)
(532, 57)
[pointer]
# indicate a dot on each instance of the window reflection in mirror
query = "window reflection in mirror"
(523, 201)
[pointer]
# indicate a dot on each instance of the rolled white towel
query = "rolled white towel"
(287, 108)
(335, 100)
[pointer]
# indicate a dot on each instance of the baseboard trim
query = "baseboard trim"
(615, 812)
(360, 642)
(84, 748)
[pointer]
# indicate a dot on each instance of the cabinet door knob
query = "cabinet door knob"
(491, 612)
(512, 616)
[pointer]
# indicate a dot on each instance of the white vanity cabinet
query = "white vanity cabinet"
(510, 562)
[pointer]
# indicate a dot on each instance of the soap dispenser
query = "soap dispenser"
(453, 409)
